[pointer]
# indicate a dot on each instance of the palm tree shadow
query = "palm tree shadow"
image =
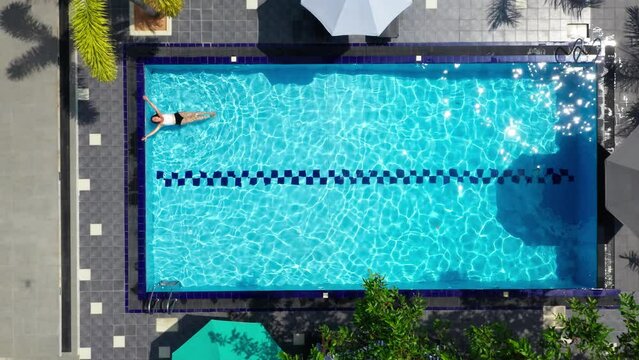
(633, 260)
(246, 347)
(17, 21)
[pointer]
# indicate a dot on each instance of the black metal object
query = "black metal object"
(578, 48)
(154, 299)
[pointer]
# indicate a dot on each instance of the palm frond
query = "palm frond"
(503, 12)
(631, 26)
(575, 7)
(625, 125)
(167, 7)
(632, 256)
(35, 59)
(626, 72)
(90, 27)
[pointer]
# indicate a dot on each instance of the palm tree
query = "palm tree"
(505, 12)
(631, 27)
(627, 72)
(91, 36)
(574, 7)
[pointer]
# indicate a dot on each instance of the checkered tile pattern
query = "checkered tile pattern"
(362, 177)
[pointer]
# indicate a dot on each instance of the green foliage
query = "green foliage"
(553, 346)
(522, 349)
(386, 322)
(439, 342)
(489, 341)
(386, 327)
(629, 341)
(284, 356)
(589, 336)
(90, 28)
(167, 7)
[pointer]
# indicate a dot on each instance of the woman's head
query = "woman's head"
(156, 119)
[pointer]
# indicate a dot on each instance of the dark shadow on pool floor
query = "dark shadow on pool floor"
(555, 214)
(607, 223)
(563, 215)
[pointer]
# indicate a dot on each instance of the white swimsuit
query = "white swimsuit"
(168, 119)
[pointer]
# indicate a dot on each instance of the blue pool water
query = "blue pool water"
(268, 196)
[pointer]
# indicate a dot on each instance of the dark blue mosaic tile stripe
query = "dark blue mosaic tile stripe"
(362, 177)
(343, 59)
(349, 294)
(141, 167)
(126, 180)
(292, 45)
(324, 309)
(253, 60)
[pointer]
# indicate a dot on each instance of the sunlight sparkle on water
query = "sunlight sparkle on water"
(511, 130)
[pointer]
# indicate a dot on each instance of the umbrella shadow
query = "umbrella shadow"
(246, 347)
(288, 22)
(607, 223)
(545, 215)
(282, 324)
(288, 33)
(243, 346)
(185, 328)
(17, 20)
(557, 212)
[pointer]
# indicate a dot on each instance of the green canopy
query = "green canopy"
(229, 340)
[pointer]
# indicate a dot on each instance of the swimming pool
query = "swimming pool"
(439, 176)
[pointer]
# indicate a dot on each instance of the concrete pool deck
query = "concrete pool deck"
(106, 331)
(30, 246)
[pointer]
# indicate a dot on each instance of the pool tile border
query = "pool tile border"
(180, 53)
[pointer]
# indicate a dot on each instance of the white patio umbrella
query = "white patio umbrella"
(356, 17)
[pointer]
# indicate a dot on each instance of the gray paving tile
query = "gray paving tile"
(228, 21)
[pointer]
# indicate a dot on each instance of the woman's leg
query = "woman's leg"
(189, 117)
